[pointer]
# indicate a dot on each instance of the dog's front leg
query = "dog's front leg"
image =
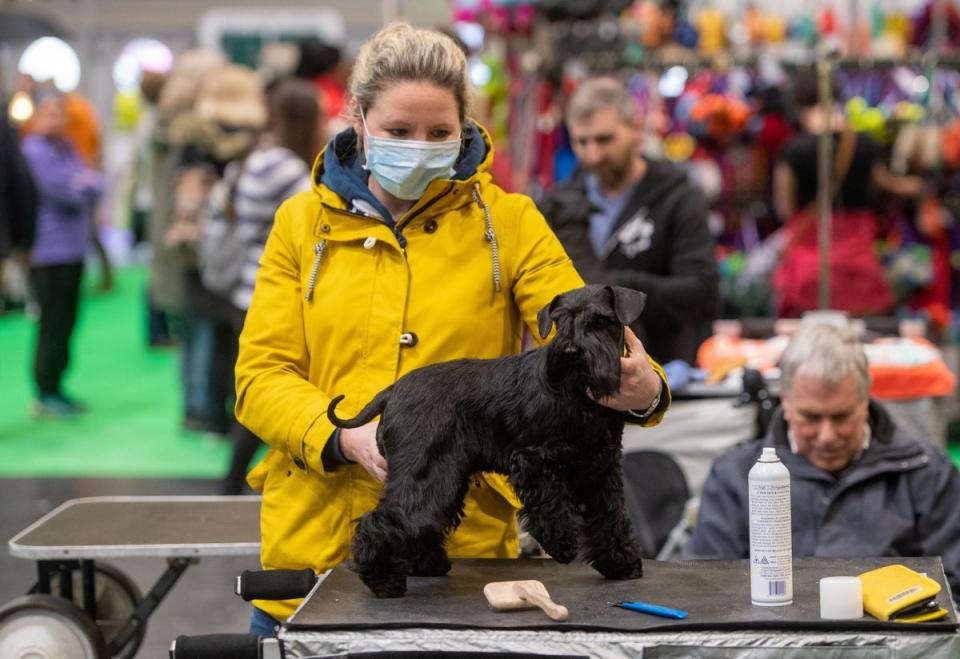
(548, 511)
(380, 548)
(607, 533)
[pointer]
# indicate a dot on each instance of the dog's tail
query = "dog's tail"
(371, 410)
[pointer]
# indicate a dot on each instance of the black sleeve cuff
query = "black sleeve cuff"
(331, 456)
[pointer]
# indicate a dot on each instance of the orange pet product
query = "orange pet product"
(930, 216)
(900, 368)
(753, 20)
(950, 144)
(721, 114)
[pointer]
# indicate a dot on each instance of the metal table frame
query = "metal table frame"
(63, 558)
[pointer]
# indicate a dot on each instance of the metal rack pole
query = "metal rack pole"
(938, 37)
(825, 180)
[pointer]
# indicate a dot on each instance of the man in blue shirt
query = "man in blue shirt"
(632, 221)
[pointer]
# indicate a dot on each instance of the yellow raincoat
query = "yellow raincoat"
(336, 306)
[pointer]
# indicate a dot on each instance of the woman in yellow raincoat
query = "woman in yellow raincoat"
(404, 254)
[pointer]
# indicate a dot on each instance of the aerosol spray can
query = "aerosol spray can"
(771, 539)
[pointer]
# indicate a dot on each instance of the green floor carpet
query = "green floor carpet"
(133, 426)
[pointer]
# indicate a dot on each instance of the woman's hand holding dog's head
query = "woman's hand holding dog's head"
(360, 446)
(639, 383)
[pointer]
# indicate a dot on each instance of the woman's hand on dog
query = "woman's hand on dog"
(360, 446)
(639, 383)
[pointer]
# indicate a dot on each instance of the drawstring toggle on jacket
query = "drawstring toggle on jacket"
(490, 236)
(318, 250)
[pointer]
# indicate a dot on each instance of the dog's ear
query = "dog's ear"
(543, 318)
(627, 303)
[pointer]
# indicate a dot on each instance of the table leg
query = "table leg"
(43, 577)
(175, 569)
(89, 587)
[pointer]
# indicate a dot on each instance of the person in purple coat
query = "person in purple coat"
(67, 191)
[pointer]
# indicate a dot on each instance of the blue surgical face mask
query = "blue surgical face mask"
(405, 168)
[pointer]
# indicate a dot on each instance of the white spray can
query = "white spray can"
(771, 538)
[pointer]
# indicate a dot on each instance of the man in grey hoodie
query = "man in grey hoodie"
(632, 221)
(859, 485)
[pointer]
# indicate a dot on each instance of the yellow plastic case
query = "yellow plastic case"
(898, 594)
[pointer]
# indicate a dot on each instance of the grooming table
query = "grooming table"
(67, 541)
(341, 617)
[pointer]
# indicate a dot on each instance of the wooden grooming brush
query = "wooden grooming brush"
(529, 594)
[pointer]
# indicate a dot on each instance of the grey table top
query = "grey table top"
(715, 593)
(169, 526)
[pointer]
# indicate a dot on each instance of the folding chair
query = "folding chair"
(656, 494)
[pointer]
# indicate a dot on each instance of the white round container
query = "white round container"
(841, 598)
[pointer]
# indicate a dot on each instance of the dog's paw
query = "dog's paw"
(620, 570)
(434, 564)
(383, 589)
(562, 552)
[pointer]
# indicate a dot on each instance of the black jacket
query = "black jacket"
(660, 245)
(18, 196)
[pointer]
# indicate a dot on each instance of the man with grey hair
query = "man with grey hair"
(631, 221)
(860, 486)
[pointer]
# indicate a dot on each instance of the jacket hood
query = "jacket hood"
(339, 167)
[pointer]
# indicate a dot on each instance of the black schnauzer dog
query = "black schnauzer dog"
(528, 416)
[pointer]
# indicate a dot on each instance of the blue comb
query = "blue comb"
(653, 609)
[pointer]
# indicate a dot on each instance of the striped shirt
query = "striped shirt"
(270, 175)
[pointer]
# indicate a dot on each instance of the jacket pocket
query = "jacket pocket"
(257, 478)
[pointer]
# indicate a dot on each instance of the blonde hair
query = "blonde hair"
(401, 53)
